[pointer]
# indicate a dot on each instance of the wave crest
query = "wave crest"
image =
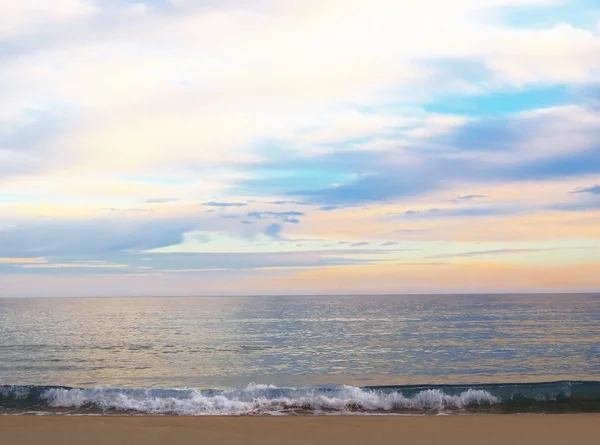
(270, 399)
(260, 399)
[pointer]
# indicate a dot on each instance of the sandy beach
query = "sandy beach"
(580, 429)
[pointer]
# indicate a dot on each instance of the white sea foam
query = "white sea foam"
(261, 399)
(17, 392)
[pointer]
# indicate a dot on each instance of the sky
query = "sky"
(179, 147)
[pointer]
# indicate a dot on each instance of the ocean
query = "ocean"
(277, 355)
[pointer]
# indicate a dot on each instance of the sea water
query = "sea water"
(301, 354)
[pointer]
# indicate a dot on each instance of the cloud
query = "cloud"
(18, 17)
(360, 244)
(545, 144)
(78, 265)
(361, 279)
(149, 264)
(289, 217)
(90, 237)
(376, 187)
(327, 208)
(274, 230)
(24, 132)
(595, 190)
(160, 200)
(501, 252)
(207, 112)
(540, 133)
(470, 197)
(128, 209)
(275, 214)
(418, 212)
(238, 111)
(461, 212)
(463, 198)
(288, 202)
(577, 206)
(23, 260)
(225, 204)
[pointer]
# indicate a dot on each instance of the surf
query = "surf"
(254, 399)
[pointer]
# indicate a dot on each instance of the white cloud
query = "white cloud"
(544, 134)
(81, 265)
(563, 54)
(23, 261)
(21, 15)
(154, 92)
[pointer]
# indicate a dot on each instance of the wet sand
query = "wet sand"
(530, 429)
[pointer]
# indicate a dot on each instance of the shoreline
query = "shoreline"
(534, 429)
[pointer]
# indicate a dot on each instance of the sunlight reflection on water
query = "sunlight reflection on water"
(224, 342)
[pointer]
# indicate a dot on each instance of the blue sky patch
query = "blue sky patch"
(498, 104)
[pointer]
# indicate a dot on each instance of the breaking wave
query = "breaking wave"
(254, 399)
